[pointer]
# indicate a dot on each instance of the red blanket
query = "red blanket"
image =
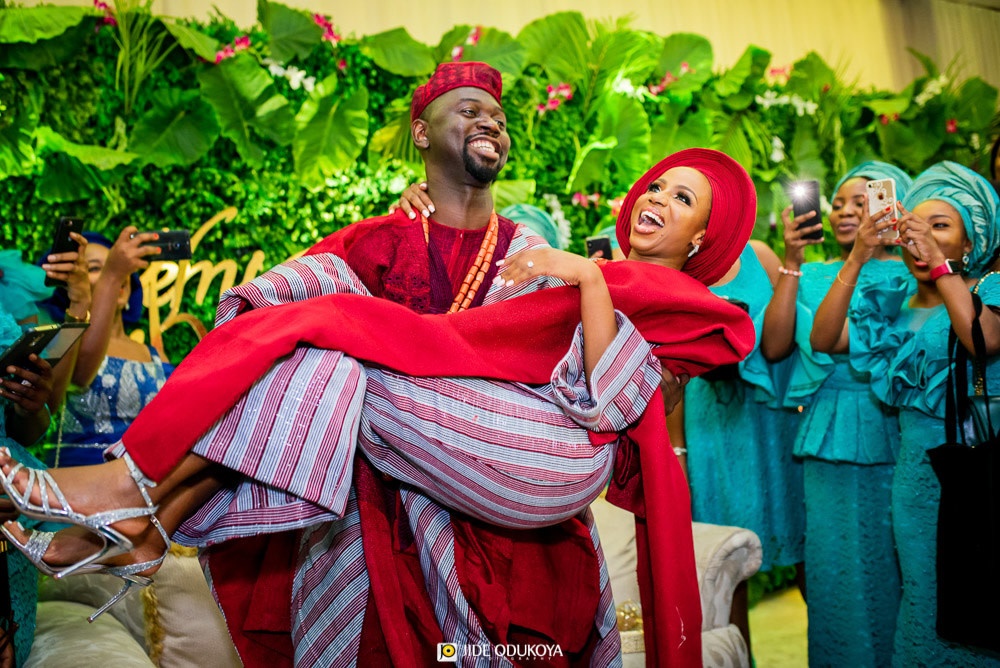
(520, 340)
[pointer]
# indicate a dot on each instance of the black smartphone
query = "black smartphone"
(600, 243)
(805, 198)
(174, 244)
(63, 243)
(50, 342)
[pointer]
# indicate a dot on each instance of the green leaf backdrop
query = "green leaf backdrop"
(304, 130)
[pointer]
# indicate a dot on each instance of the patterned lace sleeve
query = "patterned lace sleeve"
(622, 384)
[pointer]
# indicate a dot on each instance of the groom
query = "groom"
(532, 587)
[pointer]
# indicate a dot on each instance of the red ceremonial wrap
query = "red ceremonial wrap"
(449, 76)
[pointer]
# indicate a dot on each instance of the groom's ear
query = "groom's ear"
(418, 132)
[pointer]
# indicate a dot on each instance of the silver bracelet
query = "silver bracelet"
(680, 451)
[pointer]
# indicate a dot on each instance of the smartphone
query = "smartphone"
(882, 194)
(805, 198)
(175, 245)
(600, 243)
(50, 342)
(63, 243)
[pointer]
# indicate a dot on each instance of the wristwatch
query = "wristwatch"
(948, 267)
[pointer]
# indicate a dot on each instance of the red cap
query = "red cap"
(734, 210)
(449, 76)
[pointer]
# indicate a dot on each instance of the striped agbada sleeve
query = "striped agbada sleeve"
(622, 383)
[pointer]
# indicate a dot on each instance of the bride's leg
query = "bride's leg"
(74, 543)
(105, 487)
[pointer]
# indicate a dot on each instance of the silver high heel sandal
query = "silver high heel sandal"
(114, 542)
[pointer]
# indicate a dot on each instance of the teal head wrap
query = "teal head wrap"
(974, 199)
(536, 220)
(873, 170)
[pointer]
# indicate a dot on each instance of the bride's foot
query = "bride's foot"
(84, 491)
(74, 544)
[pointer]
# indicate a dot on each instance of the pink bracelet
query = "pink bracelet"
(789, 272)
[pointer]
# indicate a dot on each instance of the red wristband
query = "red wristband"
(941, 270)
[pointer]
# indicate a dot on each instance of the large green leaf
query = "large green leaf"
(624, 119)
(506, 193)
(732, 141)
(65, 179)
(30, 24)
(750, 66)
(395, 51)
(668, 137)
(293, 34)
(560, 44)
(96, 156)
(805, 151)
(926, 61)
(179, 129)
(332, 131)
(977, 102)
(201, 44)
(889, 106)
(590, 165)
(244, 99)
(810, 76)
(626, 54)
(911, 145)
(498, 49)
(17, 155)
(393, 141)
(454, 37)
(46, 52)
(688, 57)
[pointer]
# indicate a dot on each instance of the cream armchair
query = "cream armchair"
(725, 557)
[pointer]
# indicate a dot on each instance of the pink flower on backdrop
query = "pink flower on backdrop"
(565, 91)
(456, 53)
(110, 20)
(241, 42)
(331, 36)
(685, 68)
(553, 103)
(595, 198)
(322, 22)
(826, 88)
(616, 205)
(884, 119)
(951, 126)
(551, 90)
(226, 52)
(342, 64)
(102, 5)
(667, 79)
(579, 199)
(541, 108)
(474, 36)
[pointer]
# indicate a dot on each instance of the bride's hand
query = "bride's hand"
(414, 199)
(526, 265)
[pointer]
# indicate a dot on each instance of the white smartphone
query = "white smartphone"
(882, 194)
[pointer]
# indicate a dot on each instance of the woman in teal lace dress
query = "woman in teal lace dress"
(23, 417)
(898, 334)
(847, 440)
(751, 481)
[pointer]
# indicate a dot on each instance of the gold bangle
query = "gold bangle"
(850, 285)
(69, 317)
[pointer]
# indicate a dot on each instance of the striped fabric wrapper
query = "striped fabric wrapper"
(506, 453)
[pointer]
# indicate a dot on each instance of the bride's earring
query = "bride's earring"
(694, 250)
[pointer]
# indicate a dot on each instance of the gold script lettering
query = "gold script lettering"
(164, 284)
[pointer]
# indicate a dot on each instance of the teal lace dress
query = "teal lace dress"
(740, 464)
(848, 442)
(22, 576)
(905, 351)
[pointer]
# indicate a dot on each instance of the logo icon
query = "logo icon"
(447, 652)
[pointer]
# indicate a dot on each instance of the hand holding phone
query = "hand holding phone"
(600, 244)
(805, 198)
(174, 245)
(63, 243)
(881, 198)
